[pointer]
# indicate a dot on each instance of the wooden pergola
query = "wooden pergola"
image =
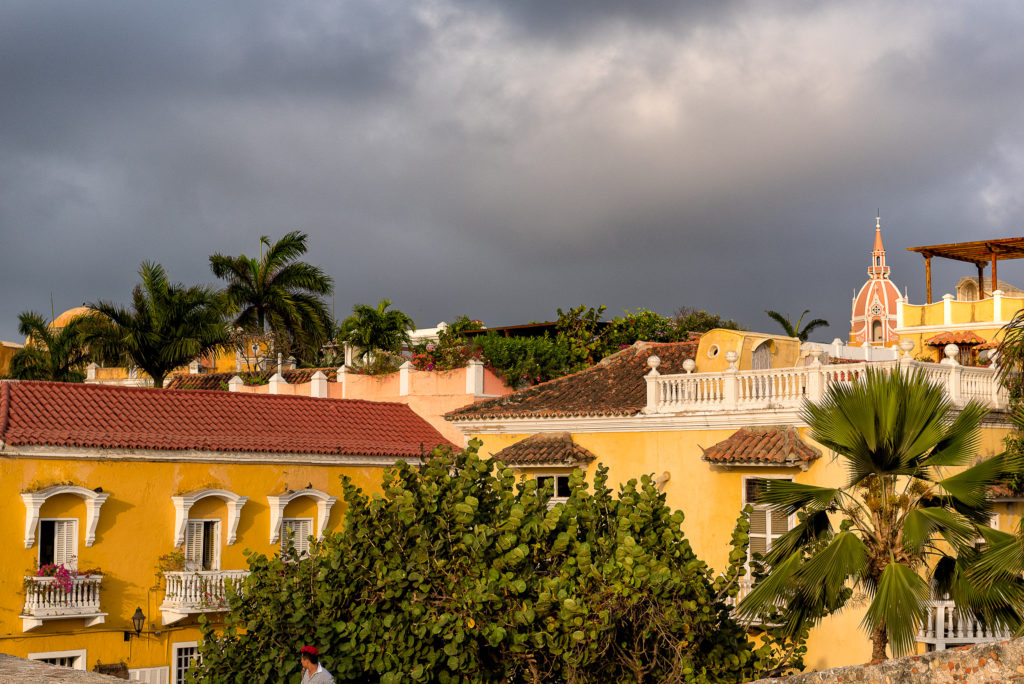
(978, 253)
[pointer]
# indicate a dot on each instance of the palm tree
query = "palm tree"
(376, 329)
(795, 330)
(168, 325)
(904, 520)
(277, 294)
(49, 353)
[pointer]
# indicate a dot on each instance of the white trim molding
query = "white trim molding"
(278, 502)
(34, 502)
(183, 502)
(80, 654)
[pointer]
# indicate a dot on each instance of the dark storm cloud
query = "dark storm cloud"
(505, 159)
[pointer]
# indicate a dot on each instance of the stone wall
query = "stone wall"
(19, 671)
(984, 663)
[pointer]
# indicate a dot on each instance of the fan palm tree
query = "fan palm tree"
(49, 353)
(168, 325)
(910, 514)
(277, 294)
(795, 330)
(376, 328)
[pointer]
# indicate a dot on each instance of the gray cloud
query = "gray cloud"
(505, 159)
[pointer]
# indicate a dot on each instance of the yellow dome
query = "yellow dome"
(62, 320)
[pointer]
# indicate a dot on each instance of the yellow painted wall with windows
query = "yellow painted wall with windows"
(711, 497)
(136, 526)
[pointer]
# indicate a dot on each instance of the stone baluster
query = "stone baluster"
(652, 384)
(731, 382)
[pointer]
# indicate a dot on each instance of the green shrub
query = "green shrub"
(458, 572)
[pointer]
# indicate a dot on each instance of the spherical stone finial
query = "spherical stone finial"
(689, 365)
(653, 361)
(951, 351)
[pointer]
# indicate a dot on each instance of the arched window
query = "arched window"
(876, 331)
(878, 261)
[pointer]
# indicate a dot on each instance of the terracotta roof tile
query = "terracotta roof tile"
(555, 447)
(98, 416)
(613, 387)
(219, 381)
(762, 446)
(962, 337)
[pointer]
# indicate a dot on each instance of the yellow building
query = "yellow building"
(7, 350)
(112, 483)
(708, 437)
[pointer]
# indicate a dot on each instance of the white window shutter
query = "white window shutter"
(301, 528)
(64, 546)
(194, 545)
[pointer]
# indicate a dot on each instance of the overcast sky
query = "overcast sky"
(504, 158)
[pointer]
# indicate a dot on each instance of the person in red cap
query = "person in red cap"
(312, 671)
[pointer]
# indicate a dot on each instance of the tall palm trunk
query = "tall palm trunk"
(879, 640)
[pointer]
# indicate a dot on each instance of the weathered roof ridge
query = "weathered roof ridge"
(545, 448)
(615, 386)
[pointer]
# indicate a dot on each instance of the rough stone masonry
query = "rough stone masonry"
(984, 663)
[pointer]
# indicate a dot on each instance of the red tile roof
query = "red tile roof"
(613, 387)
(545, 448)
(98, 416)
(219, 381)
(966, 337)
(762, 446)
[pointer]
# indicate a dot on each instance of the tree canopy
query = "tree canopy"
(278, 295)
(167, 326)
(794, 330)
(459, 572)
(49, 353)
(376, 329)
(909, 516)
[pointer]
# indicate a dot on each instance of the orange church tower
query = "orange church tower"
(874, 307)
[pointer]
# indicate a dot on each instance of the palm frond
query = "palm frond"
(899, 606)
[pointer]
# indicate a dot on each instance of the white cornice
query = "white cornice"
(952, 326)
(719, 420)
(196, 456)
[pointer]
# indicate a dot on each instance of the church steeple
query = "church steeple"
(878, 269)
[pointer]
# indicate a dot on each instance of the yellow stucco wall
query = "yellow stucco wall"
(714, 345)
(711, 498)
(135, 528)
(7, 350)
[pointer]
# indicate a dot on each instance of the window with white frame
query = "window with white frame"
(202, 545)
(74, 660)
(559, 487)
(150, 675)
(184, 655)
(296, 531)
(58, 542)
(766, 525)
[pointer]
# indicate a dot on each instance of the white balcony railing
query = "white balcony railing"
(47, 599)
(944, 627)
(188, 593)
(787, 388)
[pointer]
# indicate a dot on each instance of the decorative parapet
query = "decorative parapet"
(788, 388)
(47, 599)
(188, 593)
(35, 500)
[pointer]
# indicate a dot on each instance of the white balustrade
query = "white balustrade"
(945, 627)
(787, 388)
(200, 591)
(46, 597)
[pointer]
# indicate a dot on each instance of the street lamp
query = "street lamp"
(138, 621)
